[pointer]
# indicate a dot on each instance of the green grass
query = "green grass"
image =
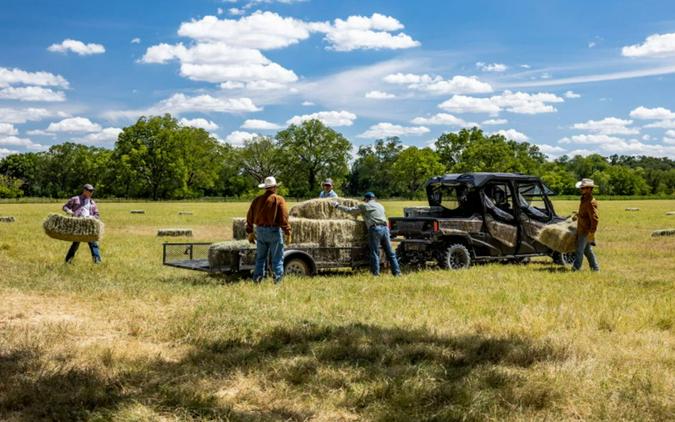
(132, 340)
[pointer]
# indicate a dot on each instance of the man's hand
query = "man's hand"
(335, 204)
(69, 211)
(251, 238)
(287, 239)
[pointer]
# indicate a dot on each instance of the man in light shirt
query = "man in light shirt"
(328, 191)
(83, 206)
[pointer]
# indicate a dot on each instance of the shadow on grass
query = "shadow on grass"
(373, 372)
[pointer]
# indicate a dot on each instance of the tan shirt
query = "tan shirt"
(588, 217)
(268, 210)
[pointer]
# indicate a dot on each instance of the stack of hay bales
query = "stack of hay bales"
(560, 237)
(7, 219)
(317, 222)
(174, 232)
(73, 229)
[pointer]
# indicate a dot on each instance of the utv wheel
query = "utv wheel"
(563, 258)
(455, 257)
(297, 267)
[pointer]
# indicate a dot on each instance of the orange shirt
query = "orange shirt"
(268, 210)
(587, 218)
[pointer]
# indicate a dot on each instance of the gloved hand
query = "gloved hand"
(287, 239)
(251, 238)
(335, 204)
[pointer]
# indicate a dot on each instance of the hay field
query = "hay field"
(132, 340)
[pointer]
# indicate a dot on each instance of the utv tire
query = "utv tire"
(563, 258)
(455, 257)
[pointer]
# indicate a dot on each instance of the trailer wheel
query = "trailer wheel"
(564, 258)
(297, 267)
(455, 257)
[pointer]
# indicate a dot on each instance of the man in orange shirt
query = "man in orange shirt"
(269, 214)
(587, 224)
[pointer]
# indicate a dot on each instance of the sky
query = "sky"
(574, 77)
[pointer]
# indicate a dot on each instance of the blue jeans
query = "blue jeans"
(584, 248)
(269, 242)
(93, 247)
(379, 235)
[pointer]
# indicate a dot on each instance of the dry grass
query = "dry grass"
(132, 340)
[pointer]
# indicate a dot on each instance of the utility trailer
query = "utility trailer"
(299, 260)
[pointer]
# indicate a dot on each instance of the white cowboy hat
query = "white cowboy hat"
(270, 182)
(585, 183)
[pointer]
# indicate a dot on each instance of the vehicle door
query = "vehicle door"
(500, 218)
(534, 211)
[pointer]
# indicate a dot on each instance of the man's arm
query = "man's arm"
(94, 210)
(250, 216)
(357, 210)
(282, 215)
(594, 217)
(68, 207)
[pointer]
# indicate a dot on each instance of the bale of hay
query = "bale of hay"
(184, 212)
(560, 237)
(322, 209)
(328, 233)
(664, 232)
(632, 209)
(239, 228)
(223, 254)
(73, 229)
(670, 213)
(137, 212)
(174, 232)
(7, 219)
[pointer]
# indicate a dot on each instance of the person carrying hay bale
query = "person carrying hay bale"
(327, 191)
(269, 214)
(83, 206)
(587, 224)
(378, 232)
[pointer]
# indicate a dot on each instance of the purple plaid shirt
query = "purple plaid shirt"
(74, 204)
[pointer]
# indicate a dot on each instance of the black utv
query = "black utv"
(477, 217)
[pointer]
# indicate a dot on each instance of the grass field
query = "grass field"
(132, 340)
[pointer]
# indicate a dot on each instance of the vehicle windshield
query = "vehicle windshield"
(450, 197)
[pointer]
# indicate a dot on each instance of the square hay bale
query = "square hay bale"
(137, 212)
(184, 212)
(328, 233)
(225, 254)
(7, 219)
(239, 228)
(664, 232)
(632, 209)
(322, 209)
(670, 213)
(73, 229)
(560, 237)
(174, 232)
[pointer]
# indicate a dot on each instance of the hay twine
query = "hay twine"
(7, 219)
(174, 232)
(73, 229)
(664, 232)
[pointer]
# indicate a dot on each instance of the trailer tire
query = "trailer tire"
(563, 258)
(297, 266)
(454, 257)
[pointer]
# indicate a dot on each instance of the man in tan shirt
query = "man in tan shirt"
(269, 214)
(587, 224)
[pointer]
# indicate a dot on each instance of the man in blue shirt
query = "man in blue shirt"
(328, 191)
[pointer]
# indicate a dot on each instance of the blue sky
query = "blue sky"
(570, 76)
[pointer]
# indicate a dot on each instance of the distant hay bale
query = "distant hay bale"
(239, 228)
(73, 229)
(323, 209)
(137, 212)
(560, 237)
(632, 209)
(174, 232)
(670, 213)
(7, 219)
(223, 254)
(184, 212)
(664, 232)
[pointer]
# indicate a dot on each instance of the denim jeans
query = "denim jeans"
(93, 247)
(269, 242)
(584, 248)
(379, 235)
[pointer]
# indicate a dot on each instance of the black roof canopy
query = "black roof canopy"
(479, 179)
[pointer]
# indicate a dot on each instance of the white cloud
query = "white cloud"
(74, 124)
(440, 119)
(308, 103)
(608, 126)
(328, 118)
(234, 11)
(514, 102)
(591, 44)
(260, 125)
(237, 138)
(220, 11)
(438, 85)
(525, 66)
(20, 142)
(23, 115)
(654, 46)
(663, 124)
(136, 40)
(571, 94)
(379, 95)
(491, 67)
(368, 33)
(513, 135)
(21, 77)
(670, 133)
(551, 150)
(669, 141)
(5, 152)
(657, 113)
(464, 104)
(77, 47)
(590, 139)
(8, 129)
(494, 122)
(31, 93)
(383, 130)
(40, 132)
(106, 136)
(199, 123)
(180, 103)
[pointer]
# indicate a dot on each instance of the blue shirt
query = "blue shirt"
(330, 194)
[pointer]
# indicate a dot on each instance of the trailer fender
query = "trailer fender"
(294, 253)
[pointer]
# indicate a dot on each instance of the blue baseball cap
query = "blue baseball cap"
(369, 195)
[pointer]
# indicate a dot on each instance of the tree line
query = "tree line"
(157, 158)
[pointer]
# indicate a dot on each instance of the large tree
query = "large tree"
(373, 168)
(260, 157)
(413, 167)
(312, 152)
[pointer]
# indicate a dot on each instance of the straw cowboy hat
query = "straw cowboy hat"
(270, 182)
(585, 183)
